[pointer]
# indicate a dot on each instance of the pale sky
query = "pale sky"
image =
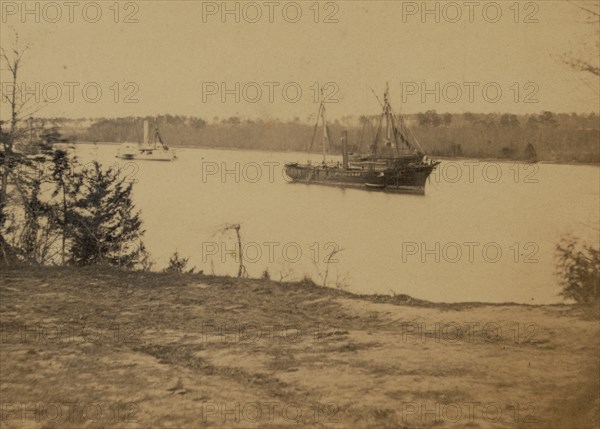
(180, 55)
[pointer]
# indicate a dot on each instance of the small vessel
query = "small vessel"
(156, 150)
(396, 162)
(64, 146)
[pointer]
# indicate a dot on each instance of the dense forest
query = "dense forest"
(548, 136)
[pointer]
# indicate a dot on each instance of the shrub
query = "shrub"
(177, 264)
(579, 269)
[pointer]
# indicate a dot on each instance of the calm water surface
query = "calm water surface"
(484, 231)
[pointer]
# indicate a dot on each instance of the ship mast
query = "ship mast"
(326, 142)
(145, 141)
(396, 132)
(325, 133)
(390, 139)
(389, 122)
(158, 138)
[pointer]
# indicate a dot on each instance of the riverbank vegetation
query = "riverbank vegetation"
(546, 136)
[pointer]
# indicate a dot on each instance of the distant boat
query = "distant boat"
(64, 146)
(396, 164)
(156, 150)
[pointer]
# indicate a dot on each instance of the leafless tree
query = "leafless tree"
(324, 272)
(285, 271)
(236, 227)
(17, 129)
(582, 64)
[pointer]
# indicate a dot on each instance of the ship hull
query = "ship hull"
(410, 179)
(151, 157)
(131, 151)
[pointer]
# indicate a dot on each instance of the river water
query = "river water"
(484, 231)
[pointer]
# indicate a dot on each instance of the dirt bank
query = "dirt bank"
(105, 348)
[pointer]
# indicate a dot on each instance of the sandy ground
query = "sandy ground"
(103, 348)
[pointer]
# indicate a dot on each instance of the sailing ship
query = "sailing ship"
(396, 161)
(157, 150)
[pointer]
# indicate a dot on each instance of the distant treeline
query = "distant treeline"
(546, 136)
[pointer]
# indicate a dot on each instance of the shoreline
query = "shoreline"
(379, 298)
(443, 158)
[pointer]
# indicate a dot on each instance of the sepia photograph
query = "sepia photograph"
(347, 214)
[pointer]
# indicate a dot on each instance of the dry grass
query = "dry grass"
(190, 346)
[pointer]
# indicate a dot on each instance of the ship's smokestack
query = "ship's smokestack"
(345, 149)
(145, 132)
